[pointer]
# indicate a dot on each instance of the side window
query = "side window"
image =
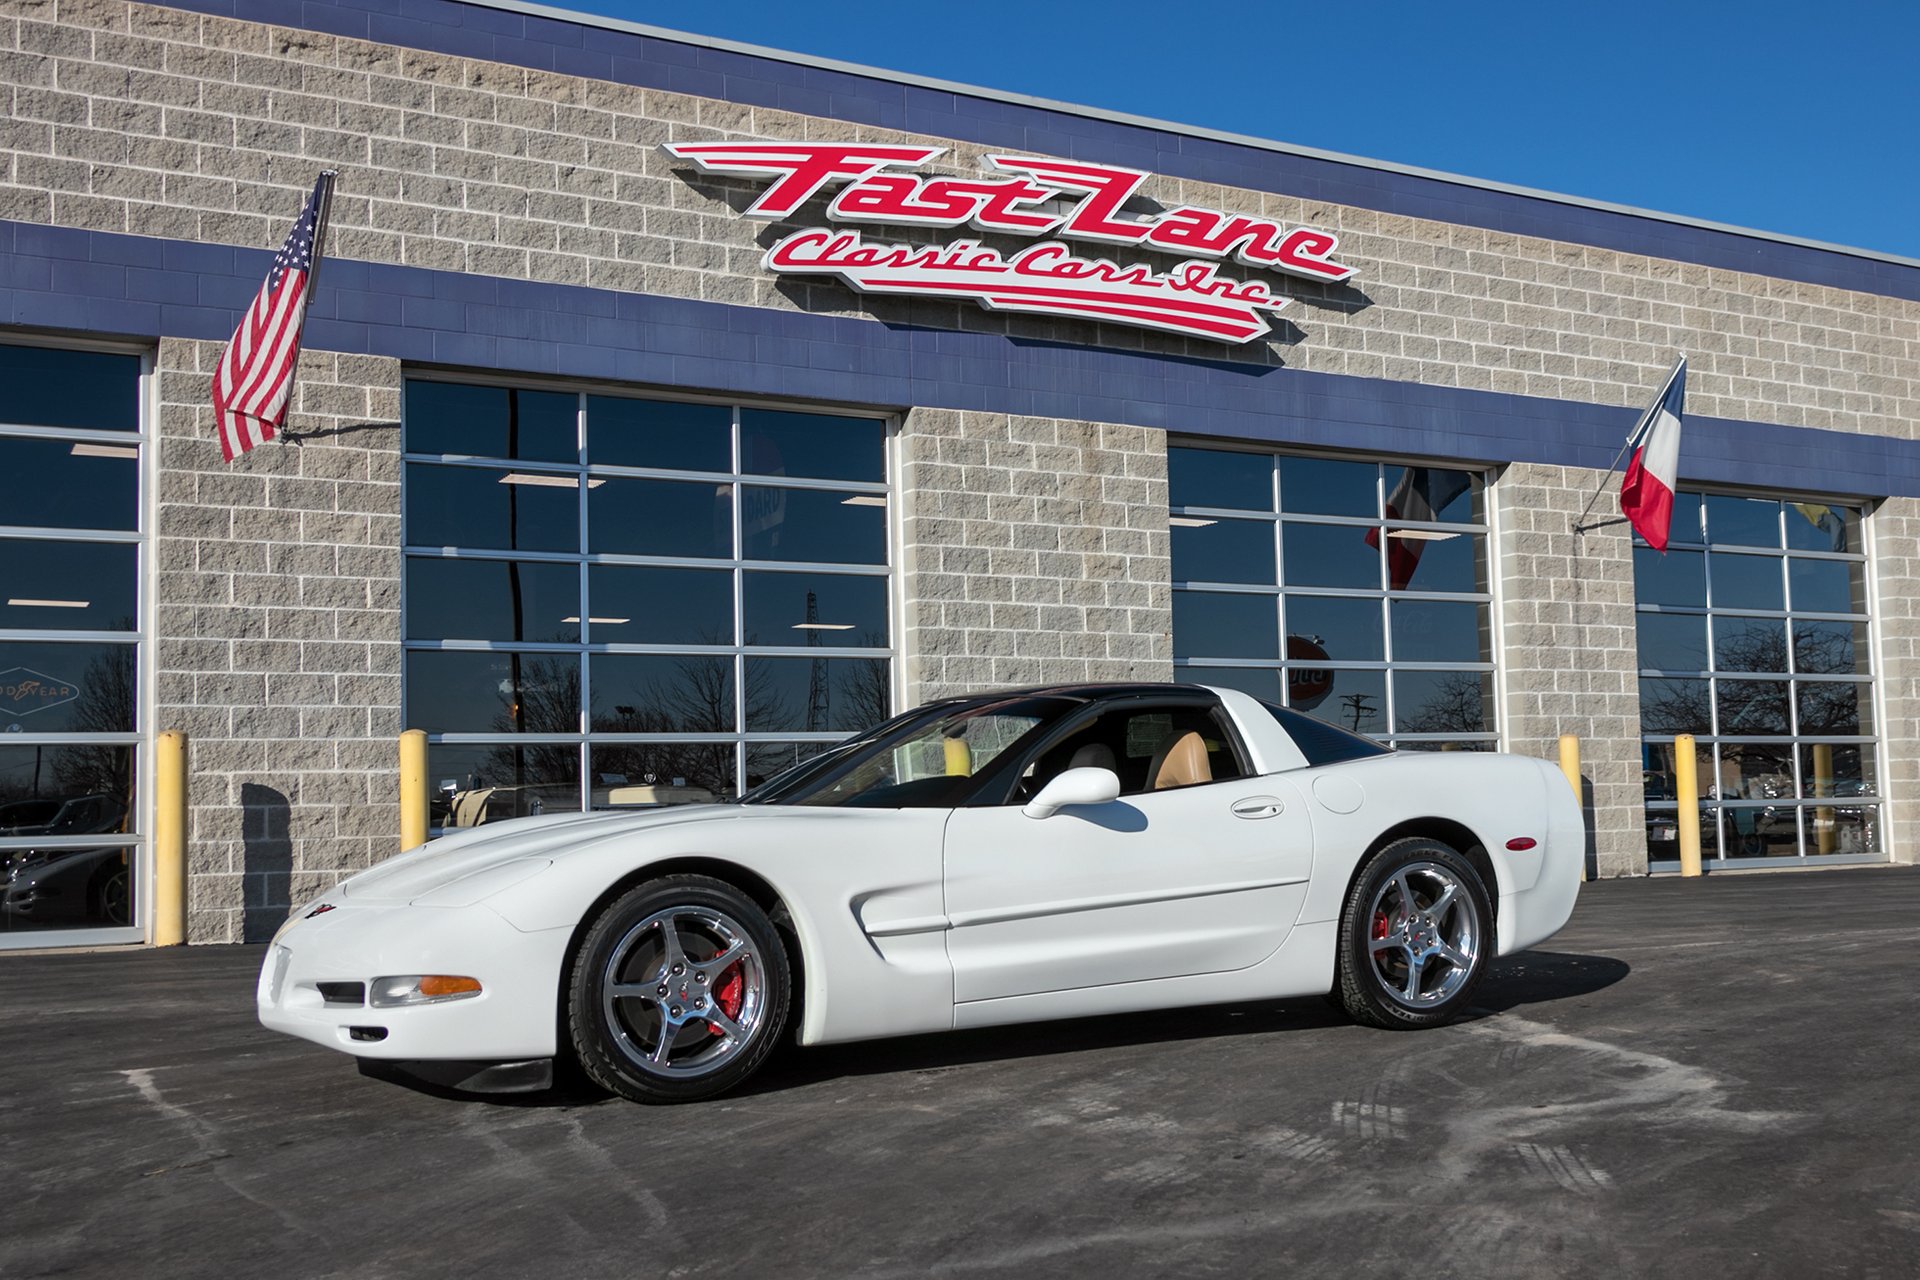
(1150, 748)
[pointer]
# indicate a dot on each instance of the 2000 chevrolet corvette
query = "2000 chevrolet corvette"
(1047, 853)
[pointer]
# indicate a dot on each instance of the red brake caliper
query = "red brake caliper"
(729, 992)
(1379, 925)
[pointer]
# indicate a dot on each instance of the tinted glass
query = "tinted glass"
(1827, 586)
(1210, 624)
(68, 586)
(67, 791)
(849, 612)
(1843, 829)
(1321, 487)
(1840, 769)
(492, 600)
(1442, 701)
(642, 604)
(486, 509)
(660, 518)
(1749, 644)
(1219, 478)
(659, 433)
(1262, 682)
(47, 687)
(1436, 631)
(56, 484)
(1749, 830)
(1746, 522)
(1814, 526)
(811, 445)
(1756, 771)
(1342, 628)
(1751, 708)
(463, 692)
(1319, 742)
(1431, 494)
(1418, 561)
(472, 785)
(811, 524)
(766, 759)
(1354, 700)
(1834, 709)
(662, 693)
(1672, 642)
(817, 695)
(1670, 577)
(492, 422)
(1746, 582)
(1222, 551)
(1330, 555)
(628, 774)
(1830, 648)
(1675, 706)
(40, 387)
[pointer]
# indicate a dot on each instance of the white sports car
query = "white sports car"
(1009, 857)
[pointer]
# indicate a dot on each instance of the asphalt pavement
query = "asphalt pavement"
(1704, 1078)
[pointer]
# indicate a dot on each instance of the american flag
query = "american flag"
(252, 385)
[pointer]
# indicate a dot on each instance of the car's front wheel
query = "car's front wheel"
(679, 991)
(1415, 936)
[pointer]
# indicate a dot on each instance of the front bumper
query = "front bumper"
(514, 1016)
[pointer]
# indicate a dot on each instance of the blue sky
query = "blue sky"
(1802, 119)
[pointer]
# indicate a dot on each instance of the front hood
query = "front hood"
(440, 863)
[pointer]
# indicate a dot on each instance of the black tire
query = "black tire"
(617, 1012)
(1415, 979)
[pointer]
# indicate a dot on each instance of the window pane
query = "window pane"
(67, 791)
(642, 604)
(1355, 700)
(1330, 555)
(1843, 829)
(1746, 582)
(68, 586)
(849, 611)
(1210, 624)
(1686, 519)
(1322, 487)
(662, 693)
(1431, 494)
(461, 692)
(1672, 642)
(67, 688)
(1672, 577)
(815, 446)
(1343, 628)
(817, 695)
(492, 600)
(1675, 706)
(659, 433)
(1442, 701)
(1814, 526)
(1745, 522)
(42, 387)
(488, 509)
(55, 484)
(1830, 648)
(1420, 560)
(1749, 707)
(1437, 631)
(492, 422)
(1749, 644)
(473, 785)
(812, 524)
(660, 518)
(1223, 551)
(1428, 744)
(1220, 478)
(1755, 831)
(1834, 709)
(765, 759)
(1827, 586)
(1261, 682)
(652, 774)
(1839, 769)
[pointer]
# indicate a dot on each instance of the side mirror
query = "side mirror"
(1086, 785)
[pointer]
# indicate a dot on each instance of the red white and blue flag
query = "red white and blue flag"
(1646, 494)
(254, 380)
(1421, 495)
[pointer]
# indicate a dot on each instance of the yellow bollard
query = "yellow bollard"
(1570, 765)
(413, 789)
(1825, 834)
(170, 840)
(1686, 789)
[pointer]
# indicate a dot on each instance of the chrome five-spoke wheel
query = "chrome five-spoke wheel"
(1414, 937)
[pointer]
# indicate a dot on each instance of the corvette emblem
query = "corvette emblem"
(320, 910)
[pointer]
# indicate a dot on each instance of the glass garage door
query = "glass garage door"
(71, 834)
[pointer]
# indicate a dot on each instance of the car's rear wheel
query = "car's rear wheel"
(679, 991)
(1415, 936)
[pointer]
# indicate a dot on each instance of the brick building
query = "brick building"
(606, 475)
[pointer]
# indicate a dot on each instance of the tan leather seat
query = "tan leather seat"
(1181, 761)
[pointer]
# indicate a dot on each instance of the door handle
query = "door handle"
(1257, 807)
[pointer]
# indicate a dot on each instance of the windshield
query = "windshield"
(923, 760)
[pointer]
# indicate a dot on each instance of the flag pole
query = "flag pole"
(1639, 429)
(327, 178)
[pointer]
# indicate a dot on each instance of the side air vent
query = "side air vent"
(346, 993)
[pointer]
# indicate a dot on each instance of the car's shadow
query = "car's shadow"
(1529, 978)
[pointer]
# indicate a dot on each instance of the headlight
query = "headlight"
(420, 988)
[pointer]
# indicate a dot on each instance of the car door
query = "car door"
(1200, 876)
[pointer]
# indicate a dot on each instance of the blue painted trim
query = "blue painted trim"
(646, 61)
(132, 286)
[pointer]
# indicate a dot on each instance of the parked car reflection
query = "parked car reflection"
(65, 886)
